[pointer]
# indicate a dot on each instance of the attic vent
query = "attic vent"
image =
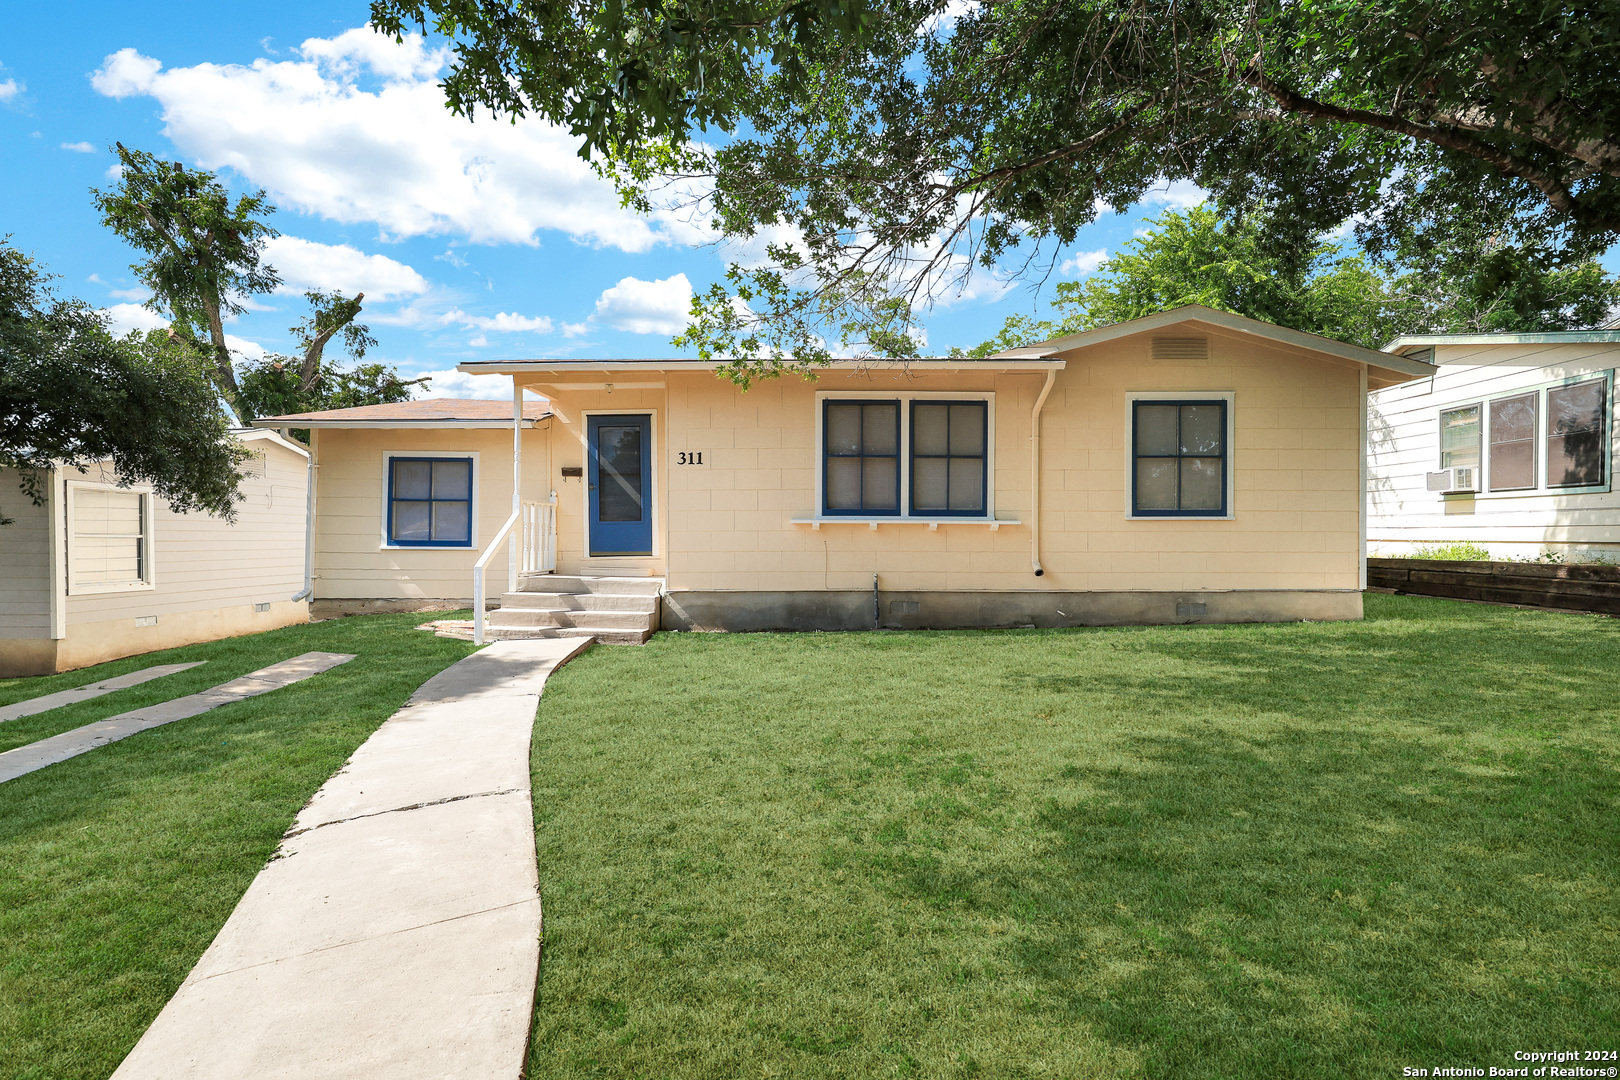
(1180, 348)
(252, 465)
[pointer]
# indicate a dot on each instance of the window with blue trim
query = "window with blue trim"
(430, 501)
(948, 473)
(861, 466)
(1179, 467)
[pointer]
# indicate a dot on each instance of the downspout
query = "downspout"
(308, 592)
(1035, 474)
(1363, 456)
(518, 538)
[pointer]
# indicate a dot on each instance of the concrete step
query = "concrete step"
(571, 583)
(555, 617)
(554, 601)
(612, 635)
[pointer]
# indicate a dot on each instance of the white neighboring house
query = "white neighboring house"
(102, 571)
(1509, 445)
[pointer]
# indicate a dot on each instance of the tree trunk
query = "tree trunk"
(224, 372)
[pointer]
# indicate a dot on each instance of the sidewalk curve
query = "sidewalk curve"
(396, 931)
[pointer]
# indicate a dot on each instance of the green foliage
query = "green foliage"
(72, 394)
(902, 143)
(1456, 551)
(1198, 257)
(203, 251)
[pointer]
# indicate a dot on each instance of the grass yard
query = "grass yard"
(1326, 850)
(118, 867)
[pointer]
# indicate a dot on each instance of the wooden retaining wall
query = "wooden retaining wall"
(1553, 585)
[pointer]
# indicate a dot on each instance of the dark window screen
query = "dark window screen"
(1180, 452)
(1577, 443)
(1513, 442)
(862, 441)
(948, 457)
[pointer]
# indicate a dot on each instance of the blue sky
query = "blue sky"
(471, 240)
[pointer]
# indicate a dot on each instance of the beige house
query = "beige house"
(1188, 466)
(103, 570)
(1510, 445)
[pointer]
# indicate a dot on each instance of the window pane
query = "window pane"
(452, 479)
(880, 431)
(1575, 460)
(967, 429)
(1513, 465)
(1156, 429)
(1200, 483)
(1459, 437)
(1201, 429)
(1156, 483)
(411, 521)
(1575, 408)
(967, 476)
(450, 522)
(878, 489)
(843, 429)
(413, 479)
(844, 483)
(1513, 419)
(928, 484)
(930, 428)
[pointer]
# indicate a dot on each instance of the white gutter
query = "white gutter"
(1035, 474)
(308, 592)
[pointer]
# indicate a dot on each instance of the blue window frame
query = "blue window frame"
(860, 465)
(949, 442)
(1179, 459)
(430, 501)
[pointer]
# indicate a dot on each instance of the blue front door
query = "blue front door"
(620, 477)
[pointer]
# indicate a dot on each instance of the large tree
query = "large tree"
(72, 395)
(899, 143)
(1197, 257)
(204, 251)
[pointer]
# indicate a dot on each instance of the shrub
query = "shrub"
(1459, 551)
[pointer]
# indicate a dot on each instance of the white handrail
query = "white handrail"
(478, 574)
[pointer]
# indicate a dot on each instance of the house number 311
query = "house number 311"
(691, 457)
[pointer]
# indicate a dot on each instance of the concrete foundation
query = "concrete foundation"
(339, 608)
(90, 643)
(863, 610)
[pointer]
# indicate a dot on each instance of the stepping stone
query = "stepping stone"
(91, 690)
(37, 755)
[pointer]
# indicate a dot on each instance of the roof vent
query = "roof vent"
(1180, 348)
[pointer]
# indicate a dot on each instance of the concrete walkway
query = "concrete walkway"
(91, 690)
(81, 740)
(397, 932)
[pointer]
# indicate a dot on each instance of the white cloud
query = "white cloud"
(305, 264)
(243, 349)
(392, 154)
(1178, 194)
(10, 89)
(459, 384)
(137, 294)
(646, 307)
(503, 323)
(122, 318)
(79, 147)
(1082, 263)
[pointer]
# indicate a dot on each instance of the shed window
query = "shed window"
(109, 539)
(1459, 438)
(1577, 441)
(1513, 442)
(862, 457)
(1179, 467)
(430, 501)
(948, 474)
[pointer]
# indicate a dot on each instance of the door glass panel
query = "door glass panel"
(1156, 429)
(1200, 483)
(413, 479)
(1156, 483)
(928, 484)
(619, 473)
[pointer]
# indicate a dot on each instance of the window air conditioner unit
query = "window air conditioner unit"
(1461, 478)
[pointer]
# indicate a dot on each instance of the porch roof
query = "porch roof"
(931, 363)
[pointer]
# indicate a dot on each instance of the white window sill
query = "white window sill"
(933, 523)
(122, 587)
(429, 547)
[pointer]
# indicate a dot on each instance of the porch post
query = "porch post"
(517, 539)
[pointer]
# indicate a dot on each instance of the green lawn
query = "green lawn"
(118, 867)
(1326, 850)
